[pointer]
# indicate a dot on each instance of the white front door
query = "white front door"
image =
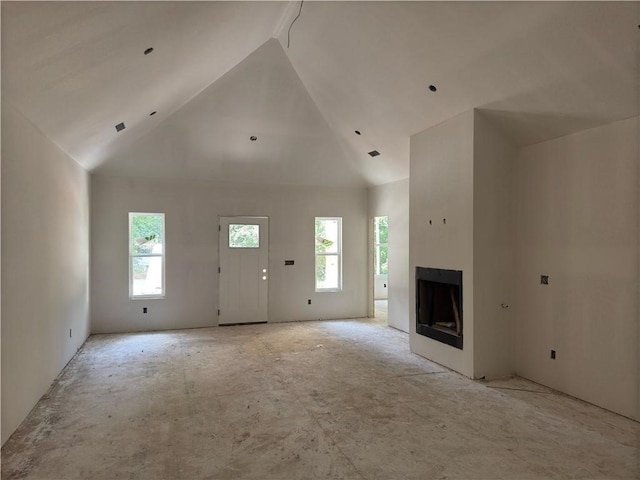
(244, 276)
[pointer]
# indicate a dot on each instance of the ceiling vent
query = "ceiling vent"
(120, 127)
(374, 153)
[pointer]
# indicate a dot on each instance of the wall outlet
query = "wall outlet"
(309, 302)
(544, 279)
(553, 354)
(144, 310)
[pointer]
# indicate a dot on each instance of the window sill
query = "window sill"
(146, 297)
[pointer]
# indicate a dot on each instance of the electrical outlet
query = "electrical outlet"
(553, 354)
(544, 279)
(144, 310)
(309, 302)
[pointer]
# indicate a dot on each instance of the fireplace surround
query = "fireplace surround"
(439, 305)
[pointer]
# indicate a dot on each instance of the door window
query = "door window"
(244, 236)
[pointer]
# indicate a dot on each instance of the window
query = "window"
(244, 236)
(328, 254)
(380, 245)
(146, 255)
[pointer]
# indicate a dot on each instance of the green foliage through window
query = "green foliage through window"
(327, 247)
(146, 259)
(146, 232)
(381, 247)
(244, 236)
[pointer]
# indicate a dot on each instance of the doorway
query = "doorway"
(243, 277)
(380, 266)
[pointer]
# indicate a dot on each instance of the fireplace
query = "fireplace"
(438, 305)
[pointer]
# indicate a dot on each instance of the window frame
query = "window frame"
(338, 255)
(133, 256)
(377, 244)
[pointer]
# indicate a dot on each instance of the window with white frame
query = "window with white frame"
(380, 245)
(146, 255)
(328, 240)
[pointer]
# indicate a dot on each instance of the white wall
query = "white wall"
(381, 287)
(45, 263)
(441, 187)
(191, 210)
(494, 252)
(567, 208)
(392, 200)
(577, 221)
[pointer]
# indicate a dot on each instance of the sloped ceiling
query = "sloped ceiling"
(210, 136)
(538, 69)
(76, 69)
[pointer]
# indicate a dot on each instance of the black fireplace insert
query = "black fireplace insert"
(439, 305)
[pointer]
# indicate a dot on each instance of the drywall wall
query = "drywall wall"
(441, 187)
(392, 200)
(381, 287)
(191, 210)
(493, 250)
(577, 221)
(45, 264)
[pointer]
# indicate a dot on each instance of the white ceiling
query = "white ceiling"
(210, 136)
(217, 76)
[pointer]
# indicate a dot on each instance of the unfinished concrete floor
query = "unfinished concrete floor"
(332, 399)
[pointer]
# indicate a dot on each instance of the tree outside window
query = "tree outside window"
(328, 249)
(381, 245)
(146, 255)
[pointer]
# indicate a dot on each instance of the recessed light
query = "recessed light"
(148, 51)
(253, 138)
(374, 153)
(152, 113)
(358, 132)
(432, 88)
(120, 127)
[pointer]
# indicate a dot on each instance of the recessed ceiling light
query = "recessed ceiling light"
(253, 138)
(152, 113)
(358, 132)
(374, 153)
(120, 127)
(148, 51)
(432, 88)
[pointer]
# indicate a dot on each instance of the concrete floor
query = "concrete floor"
(380, 309)
(333, 399)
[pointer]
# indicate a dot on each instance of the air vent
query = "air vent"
(120, 127)
(374, 153)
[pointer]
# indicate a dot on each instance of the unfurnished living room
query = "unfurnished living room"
(302, 240)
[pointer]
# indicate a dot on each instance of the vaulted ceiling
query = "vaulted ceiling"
(222, 72)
